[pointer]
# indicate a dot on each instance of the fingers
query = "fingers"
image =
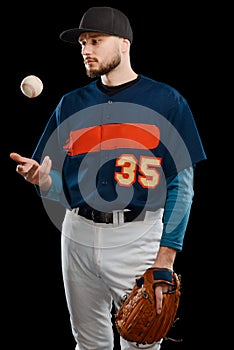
(159, 291)
(25, 164)
(18, 158)
(15, 156)
(44, 171)
(159, 299)
(39, 174)
(46, 166)
(31, 170)
(25, 169)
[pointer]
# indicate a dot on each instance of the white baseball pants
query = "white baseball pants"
(99, 265)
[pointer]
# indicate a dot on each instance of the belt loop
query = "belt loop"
(118, 217)
(115, 217)
(121, 217)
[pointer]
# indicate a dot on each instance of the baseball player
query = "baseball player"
(119, 154)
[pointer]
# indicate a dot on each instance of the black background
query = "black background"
(173, 42)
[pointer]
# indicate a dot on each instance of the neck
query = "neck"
(118, 76)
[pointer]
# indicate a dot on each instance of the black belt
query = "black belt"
(107, 218)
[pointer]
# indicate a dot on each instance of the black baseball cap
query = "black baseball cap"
(106, 20)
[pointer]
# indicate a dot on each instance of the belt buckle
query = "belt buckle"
(116, 217)
(101, 217)
(108, 218)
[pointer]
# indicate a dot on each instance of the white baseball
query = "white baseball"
(31, 86)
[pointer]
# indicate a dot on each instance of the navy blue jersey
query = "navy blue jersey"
(115, 152)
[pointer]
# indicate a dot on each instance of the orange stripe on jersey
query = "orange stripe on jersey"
(112, 136)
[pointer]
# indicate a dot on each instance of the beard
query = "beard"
(104, 68)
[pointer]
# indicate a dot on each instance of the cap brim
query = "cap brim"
(72, 35)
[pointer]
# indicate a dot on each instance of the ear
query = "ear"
(125, 45)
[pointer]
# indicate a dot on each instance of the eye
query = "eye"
(96, 41)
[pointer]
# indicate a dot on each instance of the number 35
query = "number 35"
(149, 178)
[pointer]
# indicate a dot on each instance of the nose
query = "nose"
(86, 49)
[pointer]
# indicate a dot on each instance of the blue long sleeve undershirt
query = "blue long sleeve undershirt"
(177, 208)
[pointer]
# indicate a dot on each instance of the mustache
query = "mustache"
(90, 59)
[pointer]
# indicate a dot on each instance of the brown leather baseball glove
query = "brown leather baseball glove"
(137, 320)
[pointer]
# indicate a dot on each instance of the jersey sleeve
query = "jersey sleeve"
(181, 138)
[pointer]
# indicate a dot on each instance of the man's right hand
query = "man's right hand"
(32, 171)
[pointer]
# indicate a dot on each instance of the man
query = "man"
(119, 154)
